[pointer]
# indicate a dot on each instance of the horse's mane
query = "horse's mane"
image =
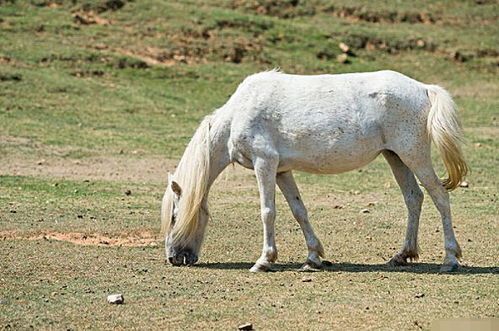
(192, 175)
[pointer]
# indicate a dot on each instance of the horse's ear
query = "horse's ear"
(176, 188)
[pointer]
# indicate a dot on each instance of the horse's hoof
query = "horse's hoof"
(397, 261)
(449, 267)
(260, 268)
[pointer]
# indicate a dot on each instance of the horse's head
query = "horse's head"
(184, 225)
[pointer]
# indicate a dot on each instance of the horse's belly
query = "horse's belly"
(330, 157)
(331, 165)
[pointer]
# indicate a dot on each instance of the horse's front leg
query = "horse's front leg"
(265, 170)
(290, 191)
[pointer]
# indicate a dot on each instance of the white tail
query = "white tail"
(444, 129)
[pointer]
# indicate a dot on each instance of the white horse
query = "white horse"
(275, 123)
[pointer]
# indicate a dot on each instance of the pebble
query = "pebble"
(419, 295)
(306, 280)
(116, 299)
(344, 47)
(464, 184)
(342, 58)
(365, 211)
(247, 326)
(308, 268)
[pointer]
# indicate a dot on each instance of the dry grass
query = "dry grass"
(99, 98)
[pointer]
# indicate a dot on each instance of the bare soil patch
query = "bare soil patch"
(100, 168)
(94, 239)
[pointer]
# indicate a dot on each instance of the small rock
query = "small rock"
(308, 268)
(365, 211)
(421, 43)
(128, 192)
(469, 240)
(342, 58)
(41, 162)
(247, 326)
(344, 47)
(116, 299)
(419, 295)
(372, 203)
(138, 152)
(370, 46)
(478, 145)
(437, 230)
(464, 184)
(306, 279)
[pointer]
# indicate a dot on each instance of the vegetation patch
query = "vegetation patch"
(101, 6)
(276, 8)
(355, 13)
(389, 45)
(94, 116)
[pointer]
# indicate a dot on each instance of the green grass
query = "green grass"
(134, 89)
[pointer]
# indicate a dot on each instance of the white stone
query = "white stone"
(116, 299)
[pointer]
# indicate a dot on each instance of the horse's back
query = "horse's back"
(274, 92)
(325, 123)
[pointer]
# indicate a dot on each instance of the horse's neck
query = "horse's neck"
(219, 152)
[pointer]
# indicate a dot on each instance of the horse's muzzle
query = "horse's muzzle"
(184, 257)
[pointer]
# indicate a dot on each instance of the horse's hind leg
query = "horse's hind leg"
(424, 171)
(290, 191)
(265, 170)
(413, 197)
